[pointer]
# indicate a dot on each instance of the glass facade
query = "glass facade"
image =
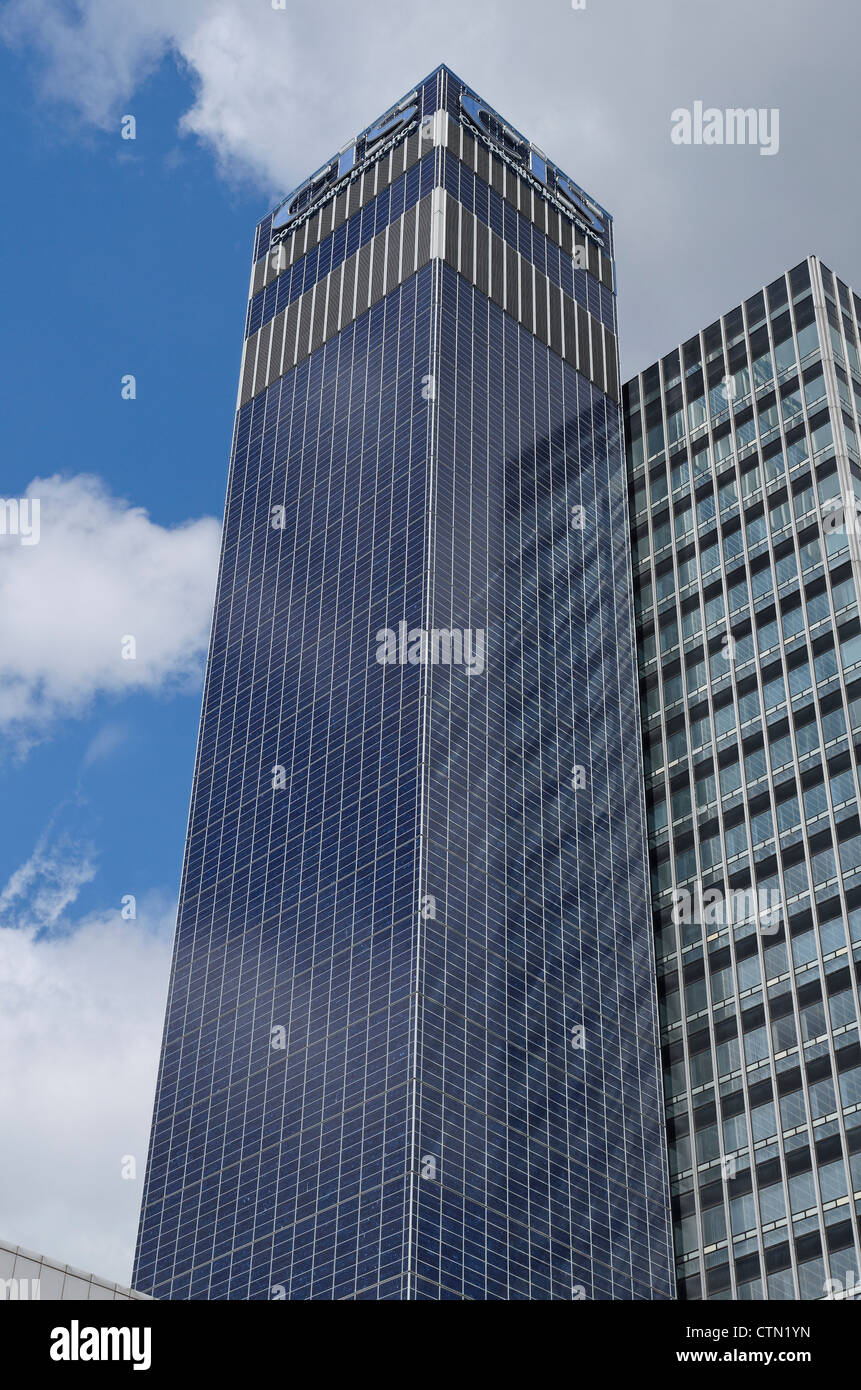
(411, 1047)
(743, 470)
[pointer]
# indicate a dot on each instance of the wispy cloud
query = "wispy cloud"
(108, 739)
(41, 889)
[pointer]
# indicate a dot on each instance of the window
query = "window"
(808, 341)
(803, 949)
(755, 1045)
(841, 1009)
(792, 1111)
(802, 1192)
(739, 596)
(735, 1133)
(788, 813)
(792, 622)
(850, 853)
(786, 568)
(751, 482)
(728, 1056)
(761, 827)
(832, 1181)
(755, 765)
(783, 1035)
(706, 791)
(813, 1021)
(725, 719)
(822, 1099)
(850, 1086)
(807, 738)
(784, 356)
(833, 725)
(763, 372)
(714, 1224)
(742, 1213)
(748, 972)
(800, 679)
(772, 1203)
(795, 878)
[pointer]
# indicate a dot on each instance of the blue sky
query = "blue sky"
(141, 266)
(133, 257)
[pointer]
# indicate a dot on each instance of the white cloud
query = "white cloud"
(256, 100)
(81, 1013)
(101, 572)
(95, 55)
(275, 90)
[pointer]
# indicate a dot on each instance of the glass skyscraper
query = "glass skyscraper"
(744, 473)
(411, 1046)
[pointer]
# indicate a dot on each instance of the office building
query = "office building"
(26, 1277)
(744, 469)
(411, 1040)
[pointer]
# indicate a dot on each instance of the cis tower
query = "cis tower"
(411, 1046)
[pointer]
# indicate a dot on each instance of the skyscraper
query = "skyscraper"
(411, 1038)
(744, 472)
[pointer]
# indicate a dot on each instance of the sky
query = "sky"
(129, 258)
